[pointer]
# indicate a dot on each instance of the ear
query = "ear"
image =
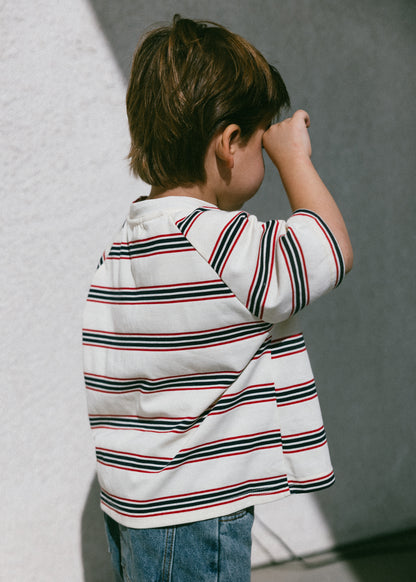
(226, 144)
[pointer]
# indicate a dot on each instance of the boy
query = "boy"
(200, 393)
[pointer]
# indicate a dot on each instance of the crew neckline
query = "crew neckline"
(143, 205)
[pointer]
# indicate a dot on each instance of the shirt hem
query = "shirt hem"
(204, 513)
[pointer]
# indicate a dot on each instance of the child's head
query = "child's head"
(188, 82)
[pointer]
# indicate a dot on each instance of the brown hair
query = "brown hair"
(188, 82)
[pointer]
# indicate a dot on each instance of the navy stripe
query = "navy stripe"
(142, 423)
(251, 395)
(190, 340)
(220, 380)
(259, 288)
(227, 238)
(287, 345)
(334, 242)
(264, 348)
(171, 293)
(296, 268)
(313, 485)
(281, 347)
(297, 443)
(293, 394)
(198, 500)
(101, 261)
(184, 223)
(241, 445)
(141, 248)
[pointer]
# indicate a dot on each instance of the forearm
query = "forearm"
(288, 146)
(305, 189)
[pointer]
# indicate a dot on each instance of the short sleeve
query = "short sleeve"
(275, 268)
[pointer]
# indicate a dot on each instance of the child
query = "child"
(200, 393)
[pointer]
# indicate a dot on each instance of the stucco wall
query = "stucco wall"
(65, 190)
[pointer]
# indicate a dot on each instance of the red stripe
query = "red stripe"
(243, 404)
(290, 275)
(221, 235)
(159, 379)
(265, 385)
(232, 246)
(205, 346)
(281, 404)
(305, 449)
(226, 440)
(144, 418)
(163, 378)
(192, 223)
(184, 300)
(204, 491)
(270, 270)
(326, 236)
(242, 436)
(143, 240)
(208, 207)
(315, 430)
(304, 265)
(219, 412)
(288, 354)
(178, 285)
(286, 337)
(199, 507)
(312, 480)
(170, 334)
(142, 255)
(255, 275)
(294, 385)
(191, 461)
(182, 432)
(135, 455)
(156, 391)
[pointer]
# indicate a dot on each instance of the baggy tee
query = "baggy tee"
(200, 393)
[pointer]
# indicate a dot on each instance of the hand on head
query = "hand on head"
(290, 137)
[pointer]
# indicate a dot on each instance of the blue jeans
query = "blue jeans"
(213, 550)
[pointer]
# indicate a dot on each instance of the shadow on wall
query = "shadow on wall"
(95, 556)
(124, 22)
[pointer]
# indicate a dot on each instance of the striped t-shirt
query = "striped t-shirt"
(200, 393)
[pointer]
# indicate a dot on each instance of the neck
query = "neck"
(199, 191)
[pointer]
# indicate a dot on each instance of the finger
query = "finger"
(304, 115)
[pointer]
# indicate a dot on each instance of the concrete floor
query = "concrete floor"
(397, 566)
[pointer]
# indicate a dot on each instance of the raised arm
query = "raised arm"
(288, 145)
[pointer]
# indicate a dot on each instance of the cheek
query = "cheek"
(258, 172)
(253, 182)
(261, 169)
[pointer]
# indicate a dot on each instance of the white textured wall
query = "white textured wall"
(66, 188)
